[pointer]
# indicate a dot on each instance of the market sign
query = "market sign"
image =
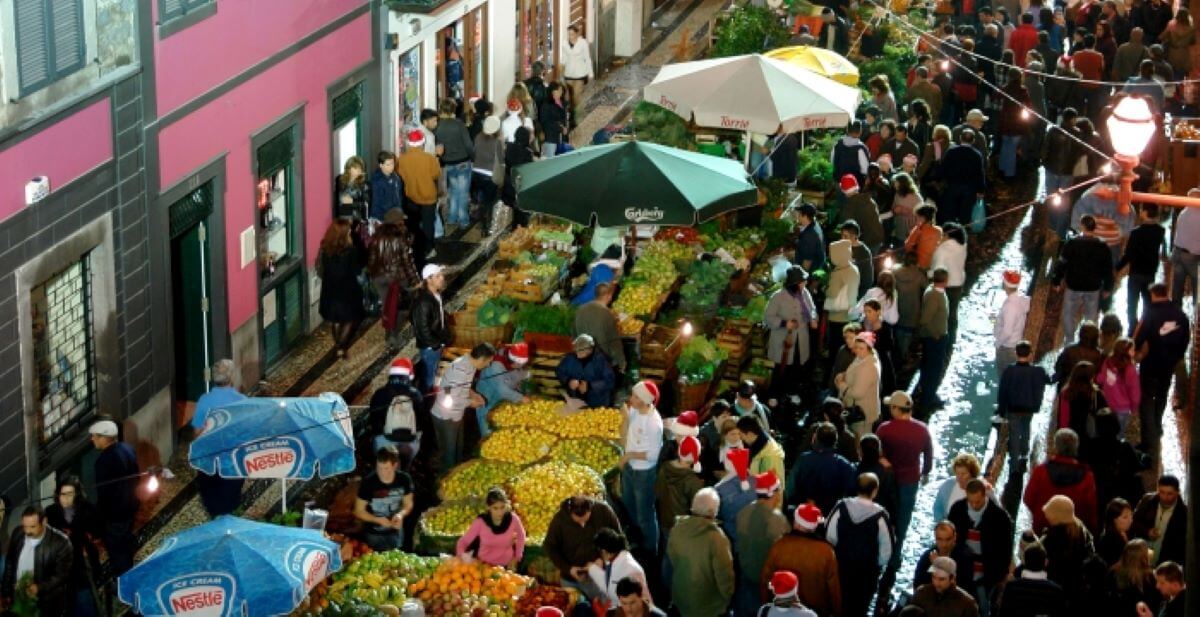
(203, 594)
(272, 458)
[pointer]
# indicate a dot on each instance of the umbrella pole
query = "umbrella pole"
(283, 489)
(749, 144)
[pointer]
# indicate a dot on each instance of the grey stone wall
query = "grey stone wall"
(117, 187)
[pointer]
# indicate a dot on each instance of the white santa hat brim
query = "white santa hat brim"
(678, 428)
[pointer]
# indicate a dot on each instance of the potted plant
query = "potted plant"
(814, 174)
(748, 30)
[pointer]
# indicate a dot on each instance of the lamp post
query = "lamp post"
(1130, 127)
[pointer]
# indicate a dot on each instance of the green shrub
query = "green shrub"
(749, 30)
(658, 125)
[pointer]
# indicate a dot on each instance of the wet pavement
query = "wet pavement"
(964, 425)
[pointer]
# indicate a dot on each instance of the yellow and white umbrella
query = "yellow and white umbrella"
(820, 61)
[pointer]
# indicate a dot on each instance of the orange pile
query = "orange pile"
(457, 577)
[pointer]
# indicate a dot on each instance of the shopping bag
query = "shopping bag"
(978, 217)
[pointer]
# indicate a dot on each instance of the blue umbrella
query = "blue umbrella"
(277, 438)
(230, 566)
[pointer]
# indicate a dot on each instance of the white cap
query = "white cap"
(104, 428)
(431, 270)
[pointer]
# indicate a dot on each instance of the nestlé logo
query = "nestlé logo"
(274, 458)
(207, 594)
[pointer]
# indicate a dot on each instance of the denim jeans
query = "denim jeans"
(1074, 303)
(1137, 289)
(904, 510)
(933, 364)
(430, 358)
(549, 149)
(481, 415)
(904, 337)
(1060, 215)
(458, 186)
(450, 443)
(1183, 267)
(1018, 439)
(431, 225)
(384, 541)
(983, 597)
(1008, 154)
(637, 493)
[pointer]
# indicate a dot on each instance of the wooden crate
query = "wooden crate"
(525, 290)
(660, 346)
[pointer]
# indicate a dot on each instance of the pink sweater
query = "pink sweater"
(1121, 389)
(497, 549)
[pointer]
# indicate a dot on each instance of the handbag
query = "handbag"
(843, 301)
(372, 303)
(978, 217)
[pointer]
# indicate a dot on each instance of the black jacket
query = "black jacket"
(1142, 249)
(962, 168)
(1022, 388)
(429, 321)
(841, 36)
(1174, 542)
(1165, 330)
(1060, 151)
(82, 529)
(1024, 596)
(996, 533)
(52, 561)
(116, 482)
(553, 118)
(1085, 265)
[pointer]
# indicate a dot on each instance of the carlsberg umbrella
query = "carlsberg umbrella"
(230, 566)
(633, 182)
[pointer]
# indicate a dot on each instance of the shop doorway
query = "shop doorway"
(190, 292)
(462, 58)
(537, 23)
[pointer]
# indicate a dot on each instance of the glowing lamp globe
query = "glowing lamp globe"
(1131, 126)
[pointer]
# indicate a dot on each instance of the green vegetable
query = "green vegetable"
(545, 319)
(748, 30)
(704, 285)
(698, 360)
(495, 312)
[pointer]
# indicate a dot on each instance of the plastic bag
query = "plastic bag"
(978, 217)
(502, 216)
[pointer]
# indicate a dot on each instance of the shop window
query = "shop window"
(51, 42)
(64, 351)
(276, 203)
(410, 87)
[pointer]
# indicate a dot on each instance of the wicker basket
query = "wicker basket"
(693, 395)
(468, 333)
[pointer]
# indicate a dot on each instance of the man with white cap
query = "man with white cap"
(1010, 322)
(804, 552)
(785, 585)
(642, 436)
(429, 324)
(759, 525)
(117, 475)
(942, 597)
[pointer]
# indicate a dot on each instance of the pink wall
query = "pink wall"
(225, 126)
(241, 34)
(63, 152)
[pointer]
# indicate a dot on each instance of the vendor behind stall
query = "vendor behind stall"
(598, 321)
(605, 269)
(501, 381)
(587, 374)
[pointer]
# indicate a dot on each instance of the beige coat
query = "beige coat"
(861, 388)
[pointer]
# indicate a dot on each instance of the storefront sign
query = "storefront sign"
(205, 594)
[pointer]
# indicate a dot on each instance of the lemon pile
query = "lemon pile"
(538, 491)
(517, 445)
(602, 422)
(452, 518)
(474, 478)
(598, 454)
(534, 414)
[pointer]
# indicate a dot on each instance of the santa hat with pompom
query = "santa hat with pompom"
(686, 424)
(689, 452)
(402, 367)
(646, 391)
(548, 611)
(739, 459)
(519, 353)
(849, 184)
(784, 584)
(416, 138)
(807, 517)
(766, 484)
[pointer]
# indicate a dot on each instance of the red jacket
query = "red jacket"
(1023, 39)
(1062, 476)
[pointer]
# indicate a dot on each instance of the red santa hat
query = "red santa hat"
(514, 105)
(849, 184)
(519, 353)
(646, 391)
(689, 452)
(784, 584)
(402, 367)
(686, 424)
(416, 138)
(1012, 278)
(548, 611)
(766, 484)
(807, 517)
(739, 459)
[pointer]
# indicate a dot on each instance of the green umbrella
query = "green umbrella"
(634, 182)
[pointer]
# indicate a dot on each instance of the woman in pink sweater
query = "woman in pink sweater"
(1118, 380)
(497, 536)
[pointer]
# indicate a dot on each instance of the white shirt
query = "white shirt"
(577, 60)
(953, 257)
(623, 566)
(510, 123)
(891, 313)
(644, 434)
(25, 563)
(1010, 324)
(430, 140)
(455, 384)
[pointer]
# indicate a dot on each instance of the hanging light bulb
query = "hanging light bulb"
(1056, 199)
(888, 263)
(687, 329)
(448, 401)
(1106, 168)
(152, 484)
(1024, 113)
(945, 65)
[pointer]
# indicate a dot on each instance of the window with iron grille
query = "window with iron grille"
(64, 351)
